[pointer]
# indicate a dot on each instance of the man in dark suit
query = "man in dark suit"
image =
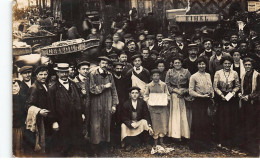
(109, 49)
(159, 41)
(66, 107)
(26, 73)
(82, 81)
(181, 45)
(116, 120)
(151, 43)
(136, 119)
(38, 116)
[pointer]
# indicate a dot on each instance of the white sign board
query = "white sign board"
(197, 18)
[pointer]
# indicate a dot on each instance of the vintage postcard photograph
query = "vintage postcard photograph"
(136, 78)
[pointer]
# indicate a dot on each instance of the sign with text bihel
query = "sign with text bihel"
(197, 18)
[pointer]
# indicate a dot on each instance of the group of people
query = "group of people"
(197, 89)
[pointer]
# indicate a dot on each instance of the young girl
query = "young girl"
(158, 108)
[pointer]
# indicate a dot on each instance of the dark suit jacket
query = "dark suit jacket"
(20, 102)
(105, 53)
(141, 109)
(38, 97)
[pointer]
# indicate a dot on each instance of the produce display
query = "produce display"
(35, 35)
(21, 48)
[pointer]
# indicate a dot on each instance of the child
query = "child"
(158, 108)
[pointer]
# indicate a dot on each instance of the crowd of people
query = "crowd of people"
(203, 89)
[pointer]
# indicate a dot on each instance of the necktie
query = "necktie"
(138, 68)
(66, 82)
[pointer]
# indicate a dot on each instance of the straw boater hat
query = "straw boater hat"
(62, 67)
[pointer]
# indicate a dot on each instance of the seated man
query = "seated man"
(135, 117)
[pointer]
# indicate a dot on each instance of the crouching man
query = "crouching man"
(136, 119)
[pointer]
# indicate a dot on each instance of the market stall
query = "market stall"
(35, 35)
(71, 50)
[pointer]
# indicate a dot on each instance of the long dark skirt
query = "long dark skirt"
(249, 128)
(200, 126)
(227, 113)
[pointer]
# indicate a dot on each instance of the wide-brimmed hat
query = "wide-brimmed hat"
(62, 67)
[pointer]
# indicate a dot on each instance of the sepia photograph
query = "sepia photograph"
(135, 79)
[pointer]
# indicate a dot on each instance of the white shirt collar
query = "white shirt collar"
(151, 47)
(159, 83)
(134, 103)
(118, 77)
(138, 71)
(65, 85)
(82, 78)
(44, 86)
(208, 50)
(100, 70)
(193, 59)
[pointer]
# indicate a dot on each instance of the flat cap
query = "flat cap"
(25, 69)
(207, 39)
(127, 36)
(155, 71)
(192, 46)
(150, 37)
(136, 56)
(118, 63)
(113, 55)
(103, 58)
(134, 88)
(167, 40)
(154, 52)
(108, 40)
(83, 63)
(40, 68)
